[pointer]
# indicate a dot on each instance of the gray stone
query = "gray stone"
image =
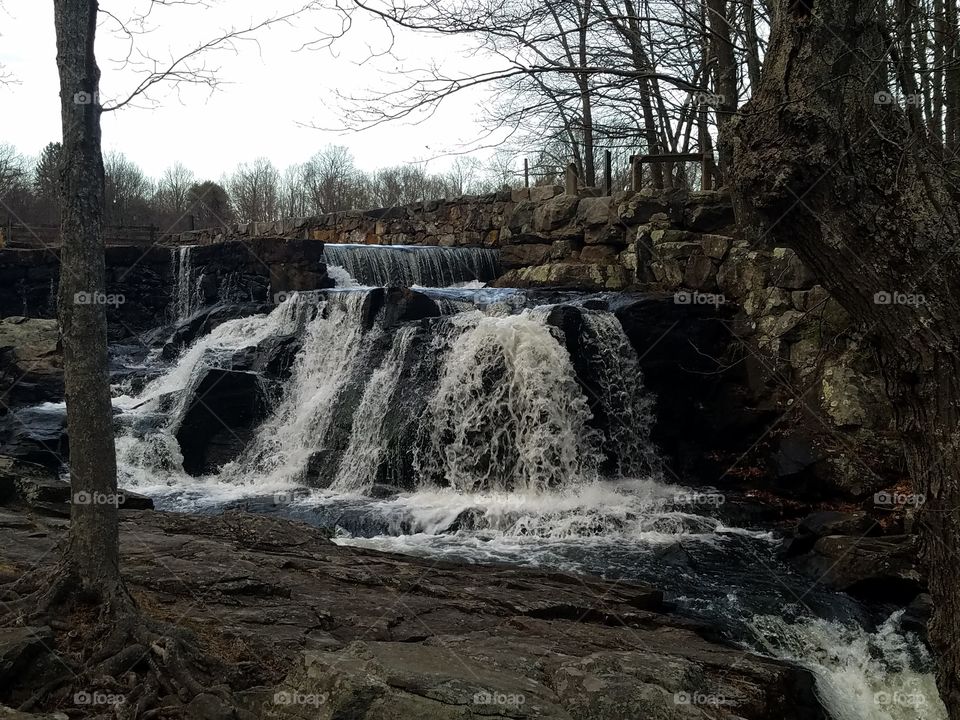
(542, 193)
(641, 207)
(715, 246)
(667, 272)
(595, 211)
(788, 271)
(708, 212)
(700, 274)
(516, 256)
(555, 213)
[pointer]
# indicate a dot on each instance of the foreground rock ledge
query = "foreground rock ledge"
(323, 632)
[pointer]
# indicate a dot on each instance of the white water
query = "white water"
(407, 265)
(860, 675)
(507, 428)
(365, 452)
(341, 277)
(184, 291)
(297, 426)
(508, 413)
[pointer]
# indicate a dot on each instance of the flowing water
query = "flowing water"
(185, 286)
(487, 428)
(406, 265)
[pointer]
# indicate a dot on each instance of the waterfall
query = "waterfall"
(508, 413)
(619, 394)
(184, 289)
(406, 265)
(147, 450)
(297, 427)
(366, 451)
(860, 675)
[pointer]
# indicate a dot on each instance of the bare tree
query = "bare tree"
(255, 190)
(827, 163)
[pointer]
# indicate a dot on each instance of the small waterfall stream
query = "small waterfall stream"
(486, 425)
(406, 265)
(184, 289)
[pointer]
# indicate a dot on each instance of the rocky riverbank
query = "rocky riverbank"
(314, 630)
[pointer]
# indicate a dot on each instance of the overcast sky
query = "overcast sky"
(270, 89)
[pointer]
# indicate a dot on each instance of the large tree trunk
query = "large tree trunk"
(725, 77)
(822, 167)
(93, 557)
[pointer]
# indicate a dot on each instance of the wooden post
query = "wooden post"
(526, 173)
(571, 182)
(607, 173)
(706, 176)
(636, 173)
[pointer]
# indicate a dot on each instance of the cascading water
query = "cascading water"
(512, 436)
(297, 427)
(184, 289)
(406, 265)
(508, 413)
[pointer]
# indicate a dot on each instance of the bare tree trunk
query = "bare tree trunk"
(821, 167)
(93, 555)
(752, 43)
(725, 74)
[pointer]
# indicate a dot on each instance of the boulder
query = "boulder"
(518, 256)
(830, 522)
(595, 211)
(875, 569)
(570, 275)
(788, 271)
(219, 419)
(642, 206)
(31, 364)
(708, 212)
(37, 434)
(555, 213)
(700, 274)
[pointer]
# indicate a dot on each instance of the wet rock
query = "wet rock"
(875, 569)
(830, 522)
(917, 615)
(37, 434)
(203, 322)
(219, 420)
(7, 713)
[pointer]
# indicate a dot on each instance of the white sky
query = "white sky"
(268, 92)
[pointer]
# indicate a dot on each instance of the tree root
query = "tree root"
(146, 667)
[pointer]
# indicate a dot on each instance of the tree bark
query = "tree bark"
(725, 77)
(821, 167)
(92, 556)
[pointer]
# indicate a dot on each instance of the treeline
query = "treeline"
(573, 78)
(178, 200)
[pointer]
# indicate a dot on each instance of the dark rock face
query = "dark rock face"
(140, 281)
(876, 569)
(219, 419)
(380, 635)
(703, 405)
